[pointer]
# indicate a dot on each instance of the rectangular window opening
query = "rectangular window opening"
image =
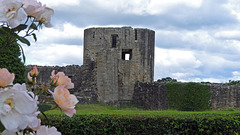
(127, 54)
(93, 36)
(135, 34)
(114, 40)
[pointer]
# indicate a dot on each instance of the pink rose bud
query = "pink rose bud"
(6, 78)
(29, 77)
(34, 72)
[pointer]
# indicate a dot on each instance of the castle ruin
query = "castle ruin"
(118, 68)
(123, 56)
(114, 60)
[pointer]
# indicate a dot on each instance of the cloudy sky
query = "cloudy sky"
(196, 40)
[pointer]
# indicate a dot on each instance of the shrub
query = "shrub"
(10, 59)
(232, 82)
(188, 96)
(145, 124)
(167, 79)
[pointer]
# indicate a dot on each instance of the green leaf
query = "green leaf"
(7, 29)
(44, 107)
(20, 27)
(24, 58)
(2, 128)
(23, 40)
(33, 26)
(34, 37)
(1, 38)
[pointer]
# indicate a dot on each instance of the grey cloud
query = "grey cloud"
(210, 14)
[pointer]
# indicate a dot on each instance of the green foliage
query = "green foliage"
(144, 124)
(232, 82)
(167, 79)
(10, 59)
(44, 107)
(188, 96)
(2, 128)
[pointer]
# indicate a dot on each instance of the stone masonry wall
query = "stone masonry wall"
(224, 96)
(83, 78)
(154, 96)
(146, 95)
(151, 96)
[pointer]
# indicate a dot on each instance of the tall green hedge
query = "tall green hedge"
(10, 59)
(188, 96)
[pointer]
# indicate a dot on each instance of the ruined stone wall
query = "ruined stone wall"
(224, 96)
(83, 78)
(154, 96)
(146, 95)
(151, 96)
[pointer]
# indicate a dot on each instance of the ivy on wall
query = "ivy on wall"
(188, 96)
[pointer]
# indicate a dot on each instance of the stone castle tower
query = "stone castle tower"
(122, 57)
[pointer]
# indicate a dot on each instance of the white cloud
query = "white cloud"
(54, 54)
(172, 57)
(233, 6)
(210, 41)
(162, 6)
(60, 3)
(143, 6)
(193, 65)
(216, 62)
(182, 75)
(124, 6)
(60, 33)
(230, 34)
(235, 75)
(210, 79)
(175, 63)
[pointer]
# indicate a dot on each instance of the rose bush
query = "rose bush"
(19, 106)
(20, 18)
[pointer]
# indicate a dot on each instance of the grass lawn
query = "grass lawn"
(84, 109)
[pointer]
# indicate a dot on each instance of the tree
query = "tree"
(10, 59)
(167, 79)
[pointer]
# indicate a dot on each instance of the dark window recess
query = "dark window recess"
(127, 54)
(70, 76)
(114, 40)
(135, 34)
(93, 35)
